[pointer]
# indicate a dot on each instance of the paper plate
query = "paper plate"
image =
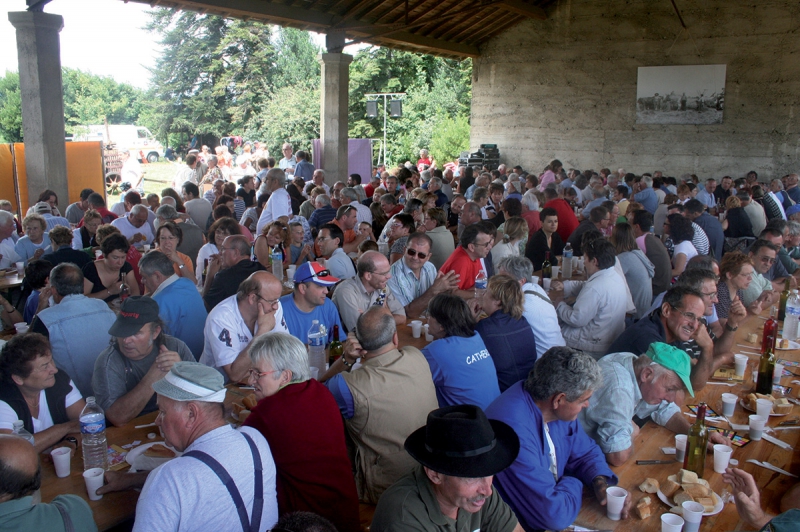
(746, 406)
(717, 507)
(792, 345)
(139, 462)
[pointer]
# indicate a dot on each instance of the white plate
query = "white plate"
(746, 406)
(717, 508)
(137, 452)
(792, 345)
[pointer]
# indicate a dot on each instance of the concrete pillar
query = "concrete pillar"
(334, 100)
(39, 52)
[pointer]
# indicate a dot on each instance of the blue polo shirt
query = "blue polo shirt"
(299, 322)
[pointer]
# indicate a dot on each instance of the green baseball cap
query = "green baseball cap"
(672, 358)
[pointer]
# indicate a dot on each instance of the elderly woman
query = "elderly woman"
(462, 368)
(36, 242)
(737, 223)
(681, 231)
(34, 391)
(221, 229)
(505, 332)
(172, 193)
(638, 269)
(301, 421)
(85, 237)
(103, 278)
(515, 230)
(168, 237)
(736, 273)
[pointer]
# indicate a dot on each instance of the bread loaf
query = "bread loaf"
(682, 497)
(669, 488)
(687, 477)
(643, 508)
(696, 490)
(677, 510)
(650, 485)
(707, 502)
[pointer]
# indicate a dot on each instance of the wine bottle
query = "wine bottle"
(766, 366)
(547, 268)
(697, 444)
(784, 298)
(336, 349)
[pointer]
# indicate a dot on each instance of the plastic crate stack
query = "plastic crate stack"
(487, 155)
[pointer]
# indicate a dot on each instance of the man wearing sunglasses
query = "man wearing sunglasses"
(414, 280)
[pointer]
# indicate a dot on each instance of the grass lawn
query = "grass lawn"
(157, 176)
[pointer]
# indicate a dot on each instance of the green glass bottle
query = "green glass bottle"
(336, 349)
(697, 444)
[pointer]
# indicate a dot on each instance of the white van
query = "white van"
(137, 139)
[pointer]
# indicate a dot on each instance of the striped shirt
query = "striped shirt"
(404, 284)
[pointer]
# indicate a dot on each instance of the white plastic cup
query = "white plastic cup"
(692, 515)
(290, 271)
(740, 362)
(146, 247)
(20, 268)
(535, 279)
(61, 459)
(763, 407)
(556, 271)
(777, 374)
(21, 327)
(729, 404)
(546, 282)
(757, 424)
(314, 372)
(722, 455)
(615, 500)
(98, 253)
(416, 328)
(671, 522)
(94, 481)
(680, 447)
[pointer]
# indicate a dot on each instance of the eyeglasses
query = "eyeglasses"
(322, 273)
(767, 260)
(411, 252)
(253, 373)
(688, 315)
(482, 245)
(323, 238)
(270, 302)
(710, 295)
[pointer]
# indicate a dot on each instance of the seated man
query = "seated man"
(369, 288)
(227, 270)
(139, 355)
(309, 302)
(643, 386)
(544, 485)
(677, 323)
(179, 303)
(61, 244)
(22, 477)
(223, 460)
(538, 309)
(134, 226)
(414, 281)
(329, 241)
(598, 315)
(382, 402)
(231, 326)
(761, 290)
(67, 325)
(458, 451)
(469, 258)
(347, 219)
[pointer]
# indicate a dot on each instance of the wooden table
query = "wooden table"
(10, 280)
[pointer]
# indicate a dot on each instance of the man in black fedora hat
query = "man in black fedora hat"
(458, 450)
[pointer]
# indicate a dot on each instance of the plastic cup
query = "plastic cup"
(778, 373)
(680, 447)
(416, 328)
(741, 363)
(21, 327)
(61, 459)
(757, 424)
(146, 247)
(535, 279)
(729, 403)
(692, 515)
(290, 272)
(722, 455)
(94, 481)
(615, 500)
(20, 268)
(763, 407)
(98, 254)
(314, 372)
(546, 282)
(556, 271)
(671, 522)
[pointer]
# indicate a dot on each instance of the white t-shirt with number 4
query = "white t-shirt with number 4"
(226, 334)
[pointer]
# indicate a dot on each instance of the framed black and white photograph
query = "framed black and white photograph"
(693, 94)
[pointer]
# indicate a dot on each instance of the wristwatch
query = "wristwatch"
(71, 439)
(729, 328)
(346, 363)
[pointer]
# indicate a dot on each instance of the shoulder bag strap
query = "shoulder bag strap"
(68, 526)
(540, 296)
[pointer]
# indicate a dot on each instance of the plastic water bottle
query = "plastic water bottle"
(481, 281)
(317, 335)
(566, 267)
(277, 263)
(792, 319)
(93, 436)
(19, 430)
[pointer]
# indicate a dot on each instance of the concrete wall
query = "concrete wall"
(566, 87)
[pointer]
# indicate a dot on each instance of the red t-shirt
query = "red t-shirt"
(464, 266)
(534, 222)
(369, 190)
(567, 221)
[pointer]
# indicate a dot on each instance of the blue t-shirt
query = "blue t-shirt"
(31, 304)
(463, 371)
(299, 322)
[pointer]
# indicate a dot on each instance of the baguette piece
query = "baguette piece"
(650, 485)
(677, 510)
(696, 490)
(643, 508)
(707, 502)
(669, 488)
(687, 477)
(682, 497)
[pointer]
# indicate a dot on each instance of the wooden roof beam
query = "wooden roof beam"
(520, 7)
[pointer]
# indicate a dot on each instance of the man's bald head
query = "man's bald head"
(19, 468)
(376, 328)
(266, 280)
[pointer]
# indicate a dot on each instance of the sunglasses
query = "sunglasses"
(411, 252)
(321, 273)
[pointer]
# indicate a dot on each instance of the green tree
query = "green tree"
(91, 99)
(10, 108)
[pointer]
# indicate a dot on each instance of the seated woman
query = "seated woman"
(251, 215)
(735, 275)
(507, 334)
(681, 231)
(36, 241)
(545, 240)
(638, 269)
(515, 230)
(274, 234)
(103, 278)
(301, 421)
(737, 223)
(219, 231)
(33, 390)
(84, 238)
(462, 368)
(168, 237)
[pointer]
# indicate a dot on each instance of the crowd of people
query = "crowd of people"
(518, 403)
